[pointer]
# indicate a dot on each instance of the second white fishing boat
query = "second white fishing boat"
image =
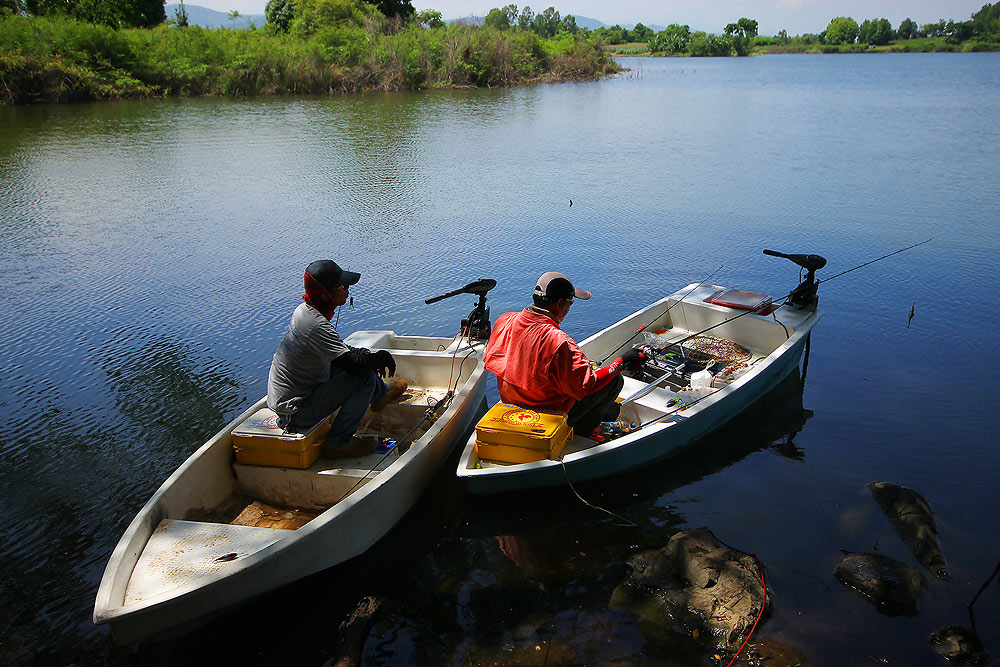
(716, 352)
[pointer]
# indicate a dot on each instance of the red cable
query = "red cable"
(762, 604)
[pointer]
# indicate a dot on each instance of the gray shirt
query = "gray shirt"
(302, 360)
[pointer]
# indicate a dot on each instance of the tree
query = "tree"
(181, 15)
(704, 45)
(907, 29)
(546, 23)
(783, 36)
(933, 29)
(641, 33)
(401, 8)
(279, 13)
(430, 18)
(569, 24)
(842, 30)
(743, 33)
(875, 32)
(502, 19)
(525, 19)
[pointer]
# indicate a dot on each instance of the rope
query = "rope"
(762, 605)
(628, 523)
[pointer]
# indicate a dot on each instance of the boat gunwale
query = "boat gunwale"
(804, 328)
(143, 525)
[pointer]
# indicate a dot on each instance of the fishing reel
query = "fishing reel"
(804, 296)
(477, 324)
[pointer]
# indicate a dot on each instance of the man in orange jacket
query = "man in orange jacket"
(539, 366)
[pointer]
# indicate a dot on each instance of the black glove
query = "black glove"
(634, 358)
(382, 363)
(354, 361)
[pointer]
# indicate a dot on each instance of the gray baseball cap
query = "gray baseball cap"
(555, 285)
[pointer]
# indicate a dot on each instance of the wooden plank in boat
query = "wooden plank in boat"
(262, 515)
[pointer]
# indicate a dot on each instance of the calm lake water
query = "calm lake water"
(154, 251)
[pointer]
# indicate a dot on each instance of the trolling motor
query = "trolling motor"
(478, 322)
(803, 296)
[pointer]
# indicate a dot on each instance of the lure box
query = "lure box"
(740, 299)
(512, 434)
(260, 441)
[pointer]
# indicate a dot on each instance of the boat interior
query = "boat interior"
(728, 351)
(220, 510)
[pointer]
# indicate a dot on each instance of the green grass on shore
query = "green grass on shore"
(52, 59)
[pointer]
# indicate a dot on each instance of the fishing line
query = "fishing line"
(826, 280)
(630, 524)
(779, 302)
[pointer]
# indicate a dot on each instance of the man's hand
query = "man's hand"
(634, 358)
(382, 363)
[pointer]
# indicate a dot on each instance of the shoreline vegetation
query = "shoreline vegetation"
(342, 46)
(51, 51)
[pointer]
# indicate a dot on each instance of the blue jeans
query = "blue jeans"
(351, 393)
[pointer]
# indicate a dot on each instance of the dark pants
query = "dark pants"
(351, 394)
(595, 408)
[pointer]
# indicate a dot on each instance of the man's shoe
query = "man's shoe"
(396, 389)
(358, 446)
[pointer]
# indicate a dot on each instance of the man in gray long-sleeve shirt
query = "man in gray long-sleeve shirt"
(314, 372)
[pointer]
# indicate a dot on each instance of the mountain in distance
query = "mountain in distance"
(209, 18)
(581, 22)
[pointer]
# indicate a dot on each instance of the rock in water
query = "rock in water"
(895, 588)
(959, 645)
(699, 583)
(911, 516)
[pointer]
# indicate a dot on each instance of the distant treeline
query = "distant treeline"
(309, 46)
(843, 34)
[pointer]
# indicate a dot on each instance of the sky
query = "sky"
(795, 16)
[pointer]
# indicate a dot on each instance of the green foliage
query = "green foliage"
(430, 18)
(503, 18)
(707, 45)
(672, 40)
(876, 32)
(401, 8)
(312, 16)
(742, 34)
(842, 30)
(180, 16)
(60, 59)
(114, 13)
(279, 13)
(641, 33)
(907, 29)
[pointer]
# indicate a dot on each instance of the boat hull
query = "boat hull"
(657, 441)
(340, 533)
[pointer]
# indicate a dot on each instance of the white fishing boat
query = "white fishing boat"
(219, 532)
(715, 351)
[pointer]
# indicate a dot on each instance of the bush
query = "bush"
(58, 59)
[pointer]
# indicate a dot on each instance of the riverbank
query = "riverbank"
(52, 59)
(923, 45)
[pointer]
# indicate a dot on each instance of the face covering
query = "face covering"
(318, 297)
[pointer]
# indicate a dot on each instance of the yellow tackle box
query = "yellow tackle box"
(512, 434)
(260, 441)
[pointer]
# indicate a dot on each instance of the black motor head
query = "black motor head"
(807, 262)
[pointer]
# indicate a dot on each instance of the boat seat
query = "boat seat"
(319, 486)
(187, 553)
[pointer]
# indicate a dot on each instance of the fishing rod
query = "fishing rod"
(801, 296)
(811, 263)
(646, 326)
